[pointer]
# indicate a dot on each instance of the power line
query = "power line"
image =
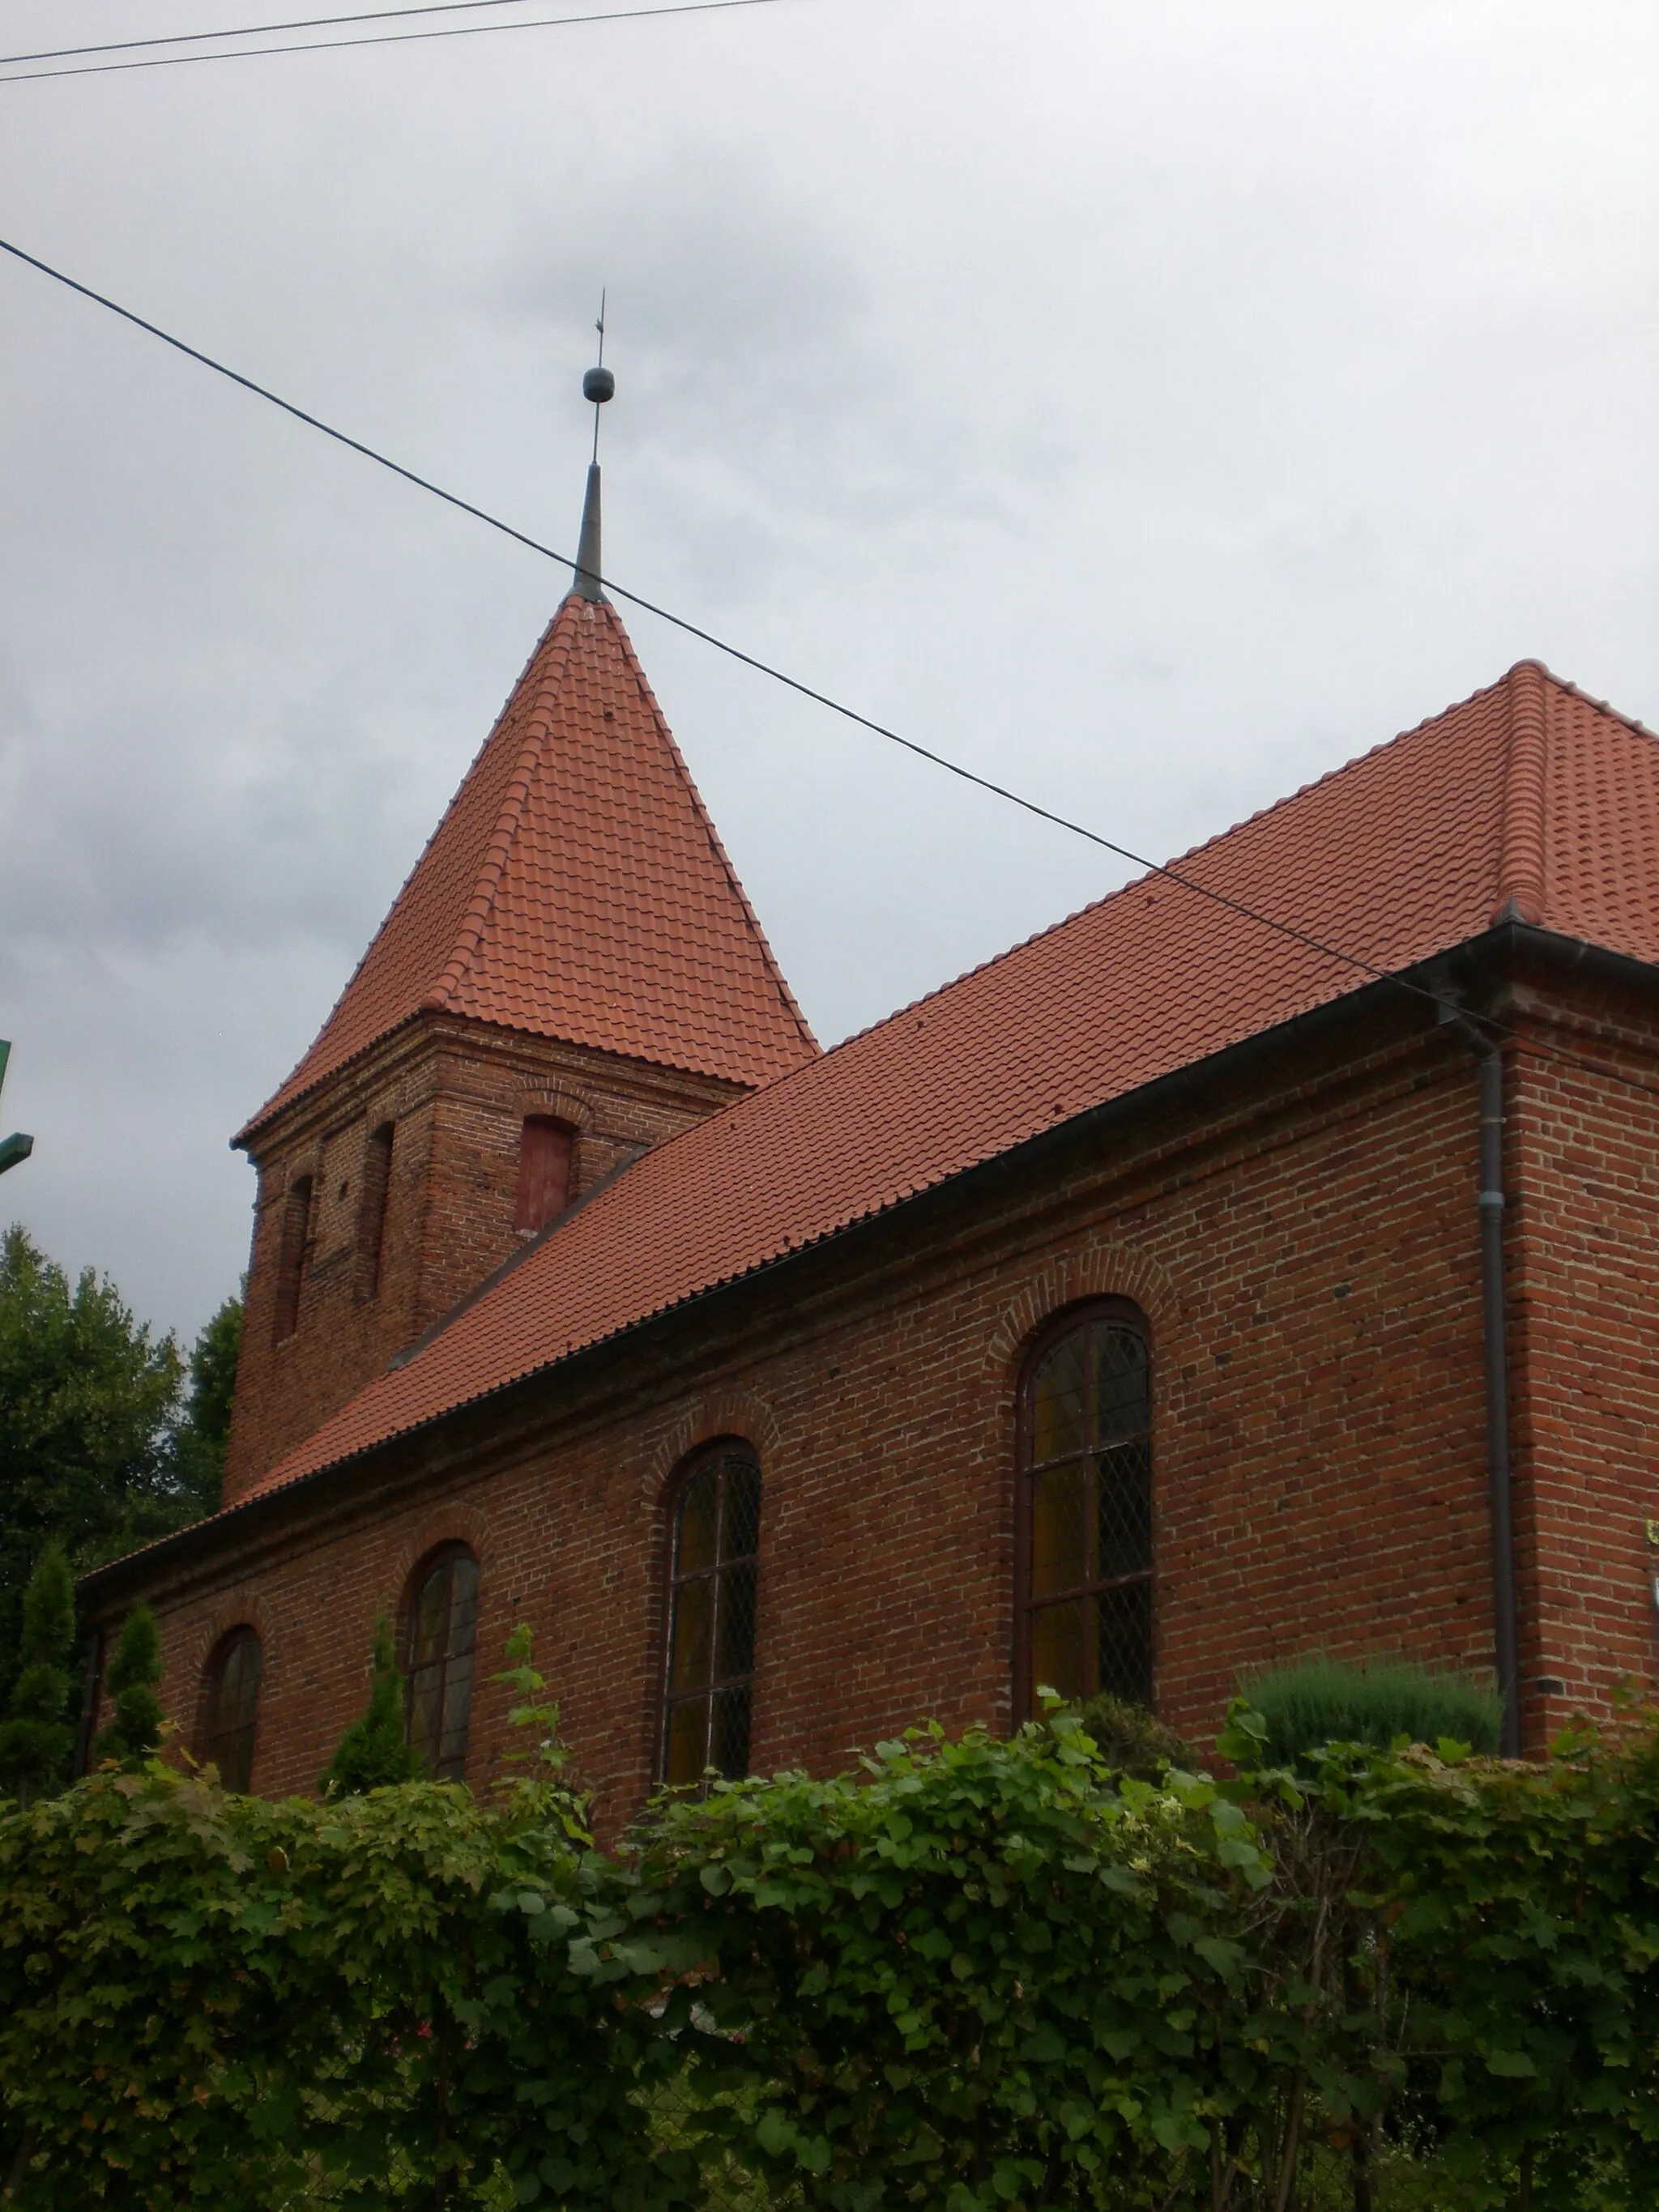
(251, 31)
(822, 699)
(386, 38)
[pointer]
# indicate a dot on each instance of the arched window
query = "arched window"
(442, 1633)
(546, 1152)
(233, 1711)
(1085, 1527)
(716, 1538)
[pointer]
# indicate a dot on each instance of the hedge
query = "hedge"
(971, 1974)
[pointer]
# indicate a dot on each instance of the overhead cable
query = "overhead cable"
(1447, 1007)
(388, 38)
(253, 30)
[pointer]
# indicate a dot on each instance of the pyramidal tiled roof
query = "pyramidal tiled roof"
(1528, 801)
(577, 889)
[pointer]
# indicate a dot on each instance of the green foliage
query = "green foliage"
(1131, 1739)
(1319, 1700)
(88, 1401)
(359, 2002)
(203, 1432)
(971, 1975)
(1521, 1912)
(978, 1973)
(130, 1678)
(372, 1754)
(36, 1737)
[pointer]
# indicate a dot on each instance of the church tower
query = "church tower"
(570, 974)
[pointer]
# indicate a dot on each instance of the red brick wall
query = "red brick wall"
(1308, 1264)
(457, 1093)
(1584, 1245)
(1306, 1249)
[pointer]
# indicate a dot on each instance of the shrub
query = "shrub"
(1319, 1700)
(219, 2001)
(1131, 1739)
(136, 1730)
(35, 1736)
(972, 1976)
(975, 1974)
(372, 1753)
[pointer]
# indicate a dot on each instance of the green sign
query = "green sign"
(12, 1149)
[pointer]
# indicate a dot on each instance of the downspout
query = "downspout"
(1494, 1309)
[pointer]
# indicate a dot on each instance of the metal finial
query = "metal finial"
(598, 384)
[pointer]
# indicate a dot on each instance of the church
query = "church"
(1263, 1261)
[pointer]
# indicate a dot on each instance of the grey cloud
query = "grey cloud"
(1153, 408)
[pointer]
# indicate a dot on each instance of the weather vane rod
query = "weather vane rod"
(598, 384)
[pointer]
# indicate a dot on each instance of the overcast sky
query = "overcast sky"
(1152, 406)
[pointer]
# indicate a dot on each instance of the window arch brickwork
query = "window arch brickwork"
(235, 1672)
(1097, 1267)
(439, 1643)
(709, 1660)
(1084, 1522)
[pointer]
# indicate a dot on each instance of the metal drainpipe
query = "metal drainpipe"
(1494, 1306)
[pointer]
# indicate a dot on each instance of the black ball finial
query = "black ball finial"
(598, 385)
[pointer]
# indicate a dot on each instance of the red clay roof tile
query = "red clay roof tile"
(1528, 798)
(576, 888)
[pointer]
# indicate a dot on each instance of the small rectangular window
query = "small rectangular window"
(546, 1149)
(291, 1263)
(372, 1208)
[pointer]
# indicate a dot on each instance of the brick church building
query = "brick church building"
(1264, 1259)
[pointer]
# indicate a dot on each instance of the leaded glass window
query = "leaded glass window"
(234, 1707)
(714, 1544)
(443, 1623)
(1086, 1554)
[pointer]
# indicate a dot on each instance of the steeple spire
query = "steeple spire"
(585, 581)
(598, 385)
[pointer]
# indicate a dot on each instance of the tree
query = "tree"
(372, 1752)
(100, 1446)
(35, 1736)
(136, 1730)
(204, 1431)
(89, 1400)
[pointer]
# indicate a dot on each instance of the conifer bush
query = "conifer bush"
(1319, 1700)
(136, 1730)
(373, 1754)
(36, 1736)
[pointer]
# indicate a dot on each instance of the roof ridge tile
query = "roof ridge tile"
(1522, 856)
